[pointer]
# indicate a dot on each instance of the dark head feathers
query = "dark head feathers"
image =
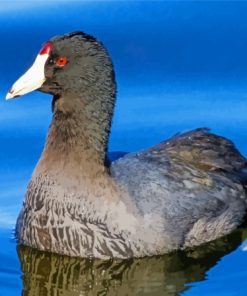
(85, 36)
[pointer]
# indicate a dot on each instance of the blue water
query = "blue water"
(179, 65)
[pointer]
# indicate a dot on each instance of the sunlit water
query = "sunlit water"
(179, 65)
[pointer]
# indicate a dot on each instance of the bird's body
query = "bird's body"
(180, 193)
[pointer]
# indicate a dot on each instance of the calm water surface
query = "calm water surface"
(179, 65)
(181, 272)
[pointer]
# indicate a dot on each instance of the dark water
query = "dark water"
(179, 65)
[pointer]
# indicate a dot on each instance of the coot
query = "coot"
(180, 193)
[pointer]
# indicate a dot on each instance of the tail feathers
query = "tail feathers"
(242, 176)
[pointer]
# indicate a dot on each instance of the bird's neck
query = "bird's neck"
(78, 136)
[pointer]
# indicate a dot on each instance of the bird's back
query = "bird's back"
(193, 183)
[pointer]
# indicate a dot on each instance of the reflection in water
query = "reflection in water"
(47, 274)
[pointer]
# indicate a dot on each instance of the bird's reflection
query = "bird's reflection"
(46, 274)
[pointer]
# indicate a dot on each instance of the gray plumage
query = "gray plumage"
(180, 193)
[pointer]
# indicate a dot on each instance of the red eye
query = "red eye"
(61, 61)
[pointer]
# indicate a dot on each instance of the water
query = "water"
(191, 272)
(179, 65)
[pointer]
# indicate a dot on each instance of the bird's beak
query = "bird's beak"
(31, 80)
